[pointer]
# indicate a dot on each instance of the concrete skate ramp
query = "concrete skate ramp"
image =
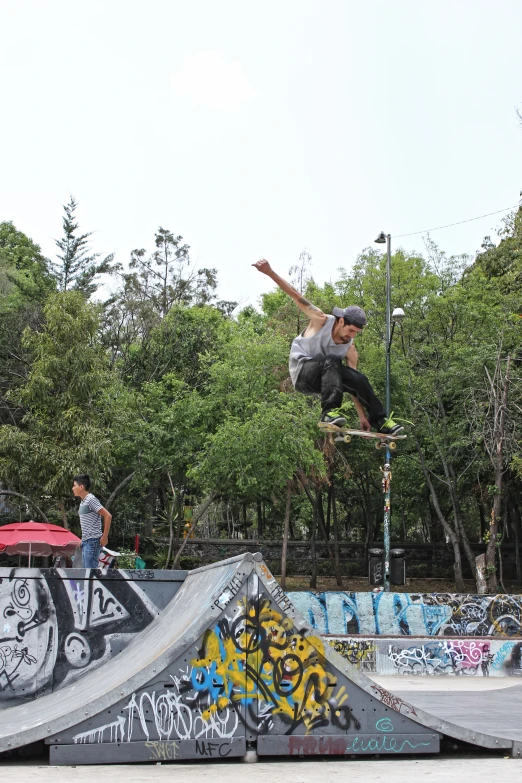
(228, 664)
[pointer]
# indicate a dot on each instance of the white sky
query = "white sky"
(260, 129)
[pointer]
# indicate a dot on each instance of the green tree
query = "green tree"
(67, 404)
(256, 456)
(77, 267)
(166, 278)
(25, 282)
(503, 261)
(24, 271)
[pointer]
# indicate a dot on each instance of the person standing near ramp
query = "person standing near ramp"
(91, 514)
(316, 362)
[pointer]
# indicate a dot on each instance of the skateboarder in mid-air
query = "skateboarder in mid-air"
(316, 362)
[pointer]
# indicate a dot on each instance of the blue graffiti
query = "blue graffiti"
(502, 655)
(383, 744)
(384, 724)
(410, 614)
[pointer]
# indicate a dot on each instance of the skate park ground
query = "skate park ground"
(437, 769)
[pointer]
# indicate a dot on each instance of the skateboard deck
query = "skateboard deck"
(344, 434)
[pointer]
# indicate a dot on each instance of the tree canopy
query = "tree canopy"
(170, 402)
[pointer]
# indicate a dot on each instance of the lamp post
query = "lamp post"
(391, 318)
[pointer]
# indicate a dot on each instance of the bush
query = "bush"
(189, 563)
(126, 558)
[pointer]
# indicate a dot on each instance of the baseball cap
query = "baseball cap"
(354, 314)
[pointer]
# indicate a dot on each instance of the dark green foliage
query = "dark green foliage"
(25, 282)
(24, 272)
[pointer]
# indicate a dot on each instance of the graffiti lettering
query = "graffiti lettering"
(411, 614)
(103, 605)
(171, 716)
(383, 744)
(392, 701)
(361, 653)
(436, 657)
(162, 751)
(109, 732)
(502, 655)
(54, 628)
(315, 746)
(213, 749)
(140, 574)
(228, 593)
(455, 657)
(377, 573)
(266, 572)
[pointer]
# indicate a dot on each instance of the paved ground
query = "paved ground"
(445, 684)
(452, 769)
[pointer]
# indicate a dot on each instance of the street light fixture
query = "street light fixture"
(396, 317)
(391, 319)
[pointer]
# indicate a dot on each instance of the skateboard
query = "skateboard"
(345, 435)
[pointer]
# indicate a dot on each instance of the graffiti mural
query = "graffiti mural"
(411, 614)
(28, 632)
(54, 628)
(284, 674)
(442, 656)
(251, 667)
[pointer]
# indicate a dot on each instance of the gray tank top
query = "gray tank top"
(320, 344)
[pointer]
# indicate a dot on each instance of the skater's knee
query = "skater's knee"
(356, 376)
(332, 361)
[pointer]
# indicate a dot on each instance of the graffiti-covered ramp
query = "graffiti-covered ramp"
(461, 715)
(177, 626)
(228, 665)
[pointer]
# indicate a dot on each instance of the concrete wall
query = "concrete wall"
(454, 657)
(411, 614)
(57, 625)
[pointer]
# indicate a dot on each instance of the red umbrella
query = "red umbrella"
(37, 538)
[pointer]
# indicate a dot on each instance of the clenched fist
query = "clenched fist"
(263, 266)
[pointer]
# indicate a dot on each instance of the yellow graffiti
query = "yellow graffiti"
(262, 658)
(504, 614)
(355, 651)
(162, 751)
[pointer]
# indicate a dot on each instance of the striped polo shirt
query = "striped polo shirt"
(90, 520)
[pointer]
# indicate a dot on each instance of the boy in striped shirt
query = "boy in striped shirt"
(91, 514)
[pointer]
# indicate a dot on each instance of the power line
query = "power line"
(459, 223)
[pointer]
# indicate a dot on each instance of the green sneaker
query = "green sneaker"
(390, 427)
(331, 419)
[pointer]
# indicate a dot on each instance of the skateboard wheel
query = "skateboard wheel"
(392, 445)
(347, 438)
(379, 446)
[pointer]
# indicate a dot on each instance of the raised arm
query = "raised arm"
(313, 312)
